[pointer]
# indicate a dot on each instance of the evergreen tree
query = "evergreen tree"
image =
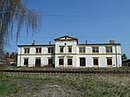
(124, 56)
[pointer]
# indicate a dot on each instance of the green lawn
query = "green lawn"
(7, 88)
(86, 85)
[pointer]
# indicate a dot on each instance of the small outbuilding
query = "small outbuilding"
(126, 62)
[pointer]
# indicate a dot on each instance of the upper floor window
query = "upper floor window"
(61, 49)
(50, 50)
(82, 49)
(109, 49)
(38, 50)
(95, 49)
(26, 50)
(69, 49)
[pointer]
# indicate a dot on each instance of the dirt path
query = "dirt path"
(44, 90)
(55, 90)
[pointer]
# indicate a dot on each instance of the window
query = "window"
(26, 62)
(26, 50)
(38, 50)
(69, 49)
(61, 49)
(82, 49)
(109, 49)
(69, 61)
(50, 50)
(95, 61)
(109, 61)
(95, 49)
(61, 61)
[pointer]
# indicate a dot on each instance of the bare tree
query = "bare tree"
(13, 16)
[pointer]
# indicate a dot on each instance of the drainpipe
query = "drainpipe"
(116, 54)
(65, 56)
(20, 55)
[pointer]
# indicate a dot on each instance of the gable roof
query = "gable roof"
(65, 38)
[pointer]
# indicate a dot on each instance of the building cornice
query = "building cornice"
(52, 45)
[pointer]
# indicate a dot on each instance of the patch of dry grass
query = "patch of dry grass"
(86, 85)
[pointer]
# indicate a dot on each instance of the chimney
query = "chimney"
(112, 41)
(49, 42)
(33, 42)
(86, 42)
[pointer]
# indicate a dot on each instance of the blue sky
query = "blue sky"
(96, 21)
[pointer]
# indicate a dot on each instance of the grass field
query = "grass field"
(85, 85)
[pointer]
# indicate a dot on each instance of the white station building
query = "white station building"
(66, 52)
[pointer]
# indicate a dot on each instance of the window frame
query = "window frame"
(82, 50)
(61, 49)
(69, 49)
(38, 50)
(50, 50)
(68, 61)
(61, 62)
(96, 60)
(26, 50)
(109, 49)
(110, 60)
(95, 49)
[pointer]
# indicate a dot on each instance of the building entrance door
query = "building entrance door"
(38, 62)
(82, 62)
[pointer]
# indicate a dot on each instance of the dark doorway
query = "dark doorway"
(26, 62)
(82, 62)
(38, 62)
(50, 62)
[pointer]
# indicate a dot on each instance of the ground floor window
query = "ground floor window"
(109, 61)
(95, 61)
(26, 62)
(69, 61)
(61, 61)
(82, 62)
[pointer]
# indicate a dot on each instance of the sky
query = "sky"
(96, 21)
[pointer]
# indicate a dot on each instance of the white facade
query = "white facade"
(66, 52)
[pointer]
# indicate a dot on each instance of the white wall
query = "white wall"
(102, 55)
(32, 56)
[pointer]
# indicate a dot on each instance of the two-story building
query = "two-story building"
(66, 52)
